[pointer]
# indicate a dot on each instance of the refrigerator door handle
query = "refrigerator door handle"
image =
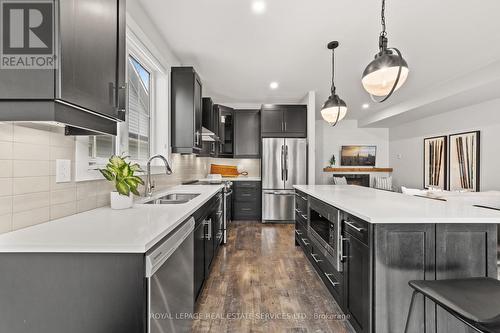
(282, 162)
(286, 162)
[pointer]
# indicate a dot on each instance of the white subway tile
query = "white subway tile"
(103, 200)
(62, 153)
(27, 134)
(30, 201)
(62, 196)
(31, 217)
(86, 204)
(85, 189)
(5, 223)
(60, 186)
(31, 168)
(29, 151)
(6, 167)
(62, 210)
(6, 130)
(5, 205)
(6, 150)
(31, 185)
(5, 186)
(57, 138)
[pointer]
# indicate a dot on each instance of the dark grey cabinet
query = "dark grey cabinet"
(357, 282)
(89, 45)
(247, 134)
(289, 121)
(226, 130)
(199, 257)
(186, 108)
(247, 200)
(86, 89)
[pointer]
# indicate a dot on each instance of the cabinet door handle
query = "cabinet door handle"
(298, 211)
(352, 225)
(342, 257)
(313, 255)
(298, 233)
(304, 216)
(334, 284)
(305, 242)
(284, 126)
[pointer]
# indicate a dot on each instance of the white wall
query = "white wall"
(310, 101)
(329, 140)
(406, 143)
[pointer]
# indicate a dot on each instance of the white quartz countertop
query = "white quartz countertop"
(103, 230)
(377, 206)
(234, 179)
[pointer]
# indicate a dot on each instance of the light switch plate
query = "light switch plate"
(63, 171)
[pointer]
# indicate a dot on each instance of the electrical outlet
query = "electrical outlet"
(63, 171)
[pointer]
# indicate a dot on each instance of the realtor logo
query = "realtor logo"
(27, 37)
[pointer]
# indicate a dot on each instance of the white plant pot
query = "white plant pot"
(119, 201)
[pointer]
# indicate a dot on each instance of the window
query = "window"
(139, 110)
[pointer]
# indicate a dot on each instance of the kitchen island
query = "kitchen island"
(366, 244)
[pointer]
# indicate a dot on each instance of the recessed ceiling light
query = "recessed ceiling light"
(365, 106)
(259, 6)
(274, 85)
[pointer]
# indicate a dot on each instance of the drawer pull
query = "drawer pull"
(352, 225)
(298, 211)
(313, 255)
(246, 209)
(305, 242)
(304, 216)
(298, 233)
(334, 284)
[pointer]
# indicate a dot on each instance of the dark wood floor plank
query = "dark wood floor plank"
(261, 273)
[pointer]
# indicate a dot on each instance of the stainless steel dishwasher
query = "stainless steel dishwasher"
(169, 272)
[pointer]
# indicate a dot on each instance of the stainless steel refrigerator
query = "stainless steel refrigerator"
(284, 164)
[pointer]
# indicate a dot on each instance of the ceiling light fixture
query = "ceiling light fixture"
(274, 85)
(365, 106)
(388, 71)
(259, 6)
(334, 109)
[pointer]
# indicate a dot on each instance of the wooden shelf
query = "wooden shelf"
(357, 169)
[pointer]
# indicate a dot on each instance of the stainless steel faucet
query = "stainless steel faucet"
(148, 188)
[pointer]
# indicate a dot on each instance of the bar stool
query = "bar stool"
(473, 301)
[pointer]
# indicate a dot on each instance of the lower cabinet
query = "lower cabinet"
(207, 238)
(247, 200)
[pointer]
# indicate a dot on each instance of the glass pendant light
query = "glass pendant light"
(334, 109)
(388, 71)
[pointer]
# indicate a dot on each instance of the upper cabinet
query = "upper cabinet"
(85, 87)
(186, 108)
(226, 130)
(284, 121)
(247, 134)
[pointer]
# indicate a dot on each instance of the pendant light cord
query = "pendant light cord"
(382, 14)
(333, 73)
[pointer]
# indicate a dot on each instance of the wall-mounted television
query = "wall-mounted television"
(358, 156)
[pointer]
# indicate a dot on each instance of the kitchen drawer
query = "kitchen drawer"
(303, 238)
(301, 201)
(331, 277)
(356, 227)
(246, 210)
(301, 217)
(247, 194)
(246, 184)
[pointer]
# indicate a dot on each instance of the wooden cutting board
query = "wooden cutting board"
(224, 170)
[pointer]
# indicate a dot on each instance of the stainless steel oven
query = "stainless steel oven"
(325, 229)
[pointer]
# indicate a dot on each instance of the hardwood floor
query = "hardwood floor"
(258, 274)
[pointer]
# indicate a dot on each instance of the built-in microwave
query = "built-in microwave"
(325, 229)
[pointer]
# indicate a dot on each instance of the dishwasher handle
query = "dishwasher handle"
(156, 258)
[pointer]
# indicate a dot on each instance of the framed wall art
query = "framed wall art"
(464, 161)
(435, 162)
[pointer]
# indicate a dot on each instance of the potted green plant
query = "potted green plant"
(122, 174)
(332, 161)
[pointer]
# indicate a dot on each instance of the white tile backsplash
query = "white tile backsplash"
(29, 194)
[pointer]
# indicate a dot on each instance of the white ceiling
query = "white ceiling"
(238, 53)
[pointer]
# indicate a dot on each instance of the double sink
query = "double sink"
(173, 199)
